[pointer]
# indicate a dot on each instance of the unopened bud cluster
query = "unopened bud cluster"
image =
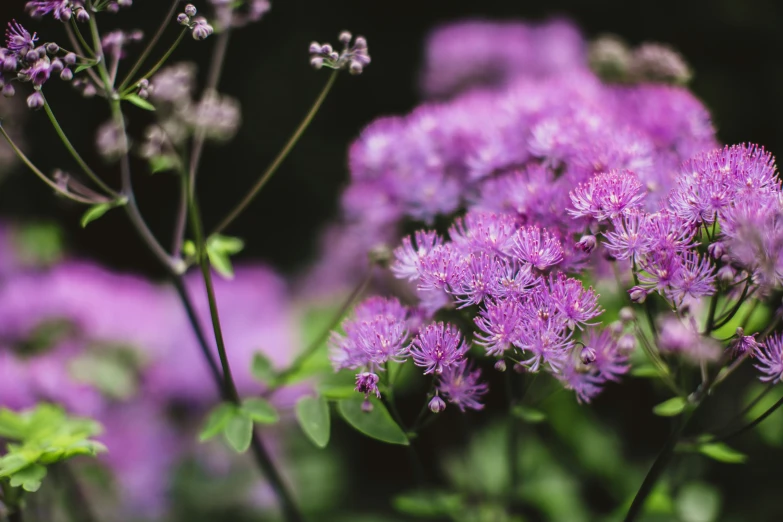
(614, 60)
(199, 28)
(354, 56)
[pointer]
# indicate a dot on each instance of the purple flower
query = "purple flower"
(769, 359)
(19, 40)
(437, 347)
(629, 239)
(407, 258)
(543, 332)
(538, 248)
(682, 338)
(577, 304)
(367, 383)
(441, 269)
(353, 57)
(745, 344)
(460, 385)
(606, 362)
(60, 9)
(669, 232)
(607, 196)
(500, 323)
(484, 232)
(479, 280)
(515, 280)
(694, 277)
(436, 404)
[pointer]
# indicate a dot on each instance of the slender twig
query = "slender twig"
(745, 410)
(751, 425)
(151, 45)
(272, 168)
(722, 321)
(59, 190)
(129, 89)
(74, 34)
(72, 150)
(319, 341)
(182, 216)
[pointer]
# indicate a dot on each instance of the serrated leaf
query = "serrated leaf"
(722, 453)
(645, 371)
(262, 369)
(138, 101)
(238, 432)
(217, 420)
(670, 408)
(260, 411)
(313, 416)
(29, 478)
(95, 212)
(528, 414)
(428, 504)
(377, 423)
(13, 462)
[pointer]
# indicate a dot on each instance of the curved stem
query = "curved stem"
(282, 155)
(68, 145)
(746, 409)
(729, 315)
(182, 216)
(751, 425)
(151, 45)
(324, 335)
(41, 175)
(129, 89)
(77, 34)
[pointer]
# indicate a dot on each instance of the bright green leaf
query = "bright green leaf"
(262, 369)
(217, 420)
(138, 101)
(429, 504)
(221, 263)
(377, 423)
(238, 432)
(670, 408)
(722, 453)
(313, 416)
(94, 212)
(13, 462)
(84, 67)
(226, 244)
(162, 163)
(12, 426)
(29, 478)
(260, 411)
(189, 248)
(528, 414)
(645, 371)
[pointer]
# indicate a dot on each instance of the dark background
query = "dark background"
(732, 45)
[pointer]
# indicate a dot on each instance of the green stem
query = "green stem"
(728, 317)
(324, 335)
(129, 89)
(751, 425)
(272, 168)
(78, 35)
(746, 409)
(72, 150)
(54, 186)
(151, 45)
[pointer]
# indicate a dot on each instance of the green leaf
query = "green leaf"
(189, 248)
(429, 504)
(217, 420)
(221, 263)
(260, 411)
(528, 414)
(313, 416)
(107, 372)
(336, 386)
(722, 453)
(377, 423)
(238, 432)
(84, 67)
(226, 244)
(670, 408)
(29, 478)
(262, 369)
(138, 101)
(12, 426)
(94, 212)
(162, 163)
(645, 371)
(13, 462)
(38, 244)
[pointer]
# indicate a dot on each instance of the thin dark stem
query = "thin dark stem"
(751, 425)
(321, 339)
(76, 32)
(746, 409)
(711, 314)
(213, 78)
(182, 216)
(657, 469)
(282, 155)
(151, 45)
(729, 315)
(129, 89)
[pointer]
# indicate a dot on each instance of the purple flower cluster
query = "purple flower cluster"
(120, 349)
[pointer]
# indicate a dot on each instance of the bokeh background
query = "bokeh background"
(733, 47)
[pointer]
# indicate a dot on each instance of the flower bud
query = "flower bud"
(52, 48)
(345, 37)
(70, 59)
(366, 406)
(587, 243)
(315, 48)
(437, 405)
(638, 294)
(82, 15)
(716, 250)
(202, 30)
(627, 314)
(726, 274)
(626, 343)
(587, 355)
(520, 368)
(66, 75)
(8, 90)
(36, 101)
(190, 10)
(182, 19)
(31, 56)
(317, 62)
(501, 365)
(355, 68)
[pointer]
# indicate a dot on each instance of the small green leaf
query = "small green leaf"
(528, 414)
(238, 432)
(341, 385)
(13, 462)
(377, 423)
(429, 504)
(29, 478)
(260, 411)
(645, 371)
(94, 212)
(670, 408)
(162, 163)
(313, 416)
(723, 453)
(138, 101)
(84, 67)
(226, 244)
(262, 369)
(217, 420)
(12, 426)
(189, 248)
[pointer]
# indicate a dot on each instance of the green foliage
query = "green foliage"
(138, 101)
(238, 432)
(429, 504)
(217, 420)
(42, 436)
(111, 369)
(771, 430)
(38, 244)
(671, 407)
(220, 249)
(645, 371)
(698, 502)
(377, 423)
(313, 416)
(722, 453)
(162, 163)
(98, 210)
(260, 411)
(262, 368)
(336, 386)
(528, 414)
(236, 422)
